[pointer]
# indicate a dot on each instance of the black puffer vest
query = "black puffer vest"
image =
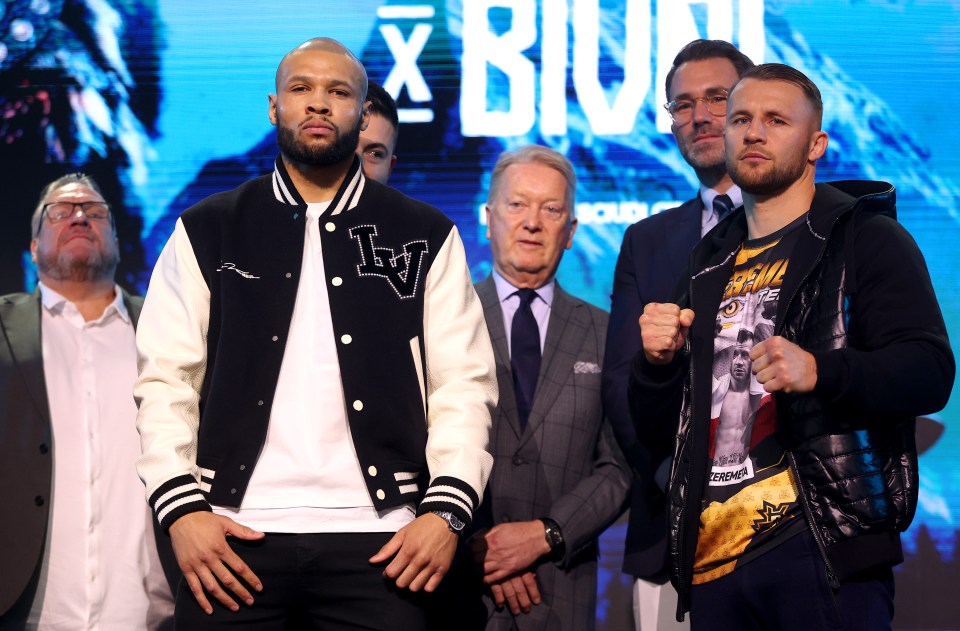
(858, 477)
(857, 484)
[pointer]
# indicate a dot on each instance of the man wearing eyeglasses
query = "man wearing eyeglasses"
(77, 543)
(653, 254)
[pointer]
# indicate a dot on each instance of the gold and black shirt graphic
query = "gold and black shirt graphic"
(750, 503)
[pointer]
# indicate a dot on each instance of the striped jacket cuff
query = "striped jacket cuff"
(450, 495)
(175, 498)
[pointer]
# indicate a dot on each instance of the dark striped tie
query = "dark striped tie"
(723, 206)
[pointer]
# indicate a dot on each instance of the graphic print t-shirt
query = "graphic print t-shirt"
(750, 503)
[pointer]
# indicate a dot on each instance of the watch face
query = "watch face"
(455, 523)
(552, 537)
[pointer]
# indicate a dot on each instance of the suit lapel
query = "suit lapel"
(559, 354)
(134, 305)
(20, 327)
(686, 233)
(493, 313)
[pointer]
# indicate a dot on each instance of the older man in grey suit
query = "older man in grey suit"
(558, 477)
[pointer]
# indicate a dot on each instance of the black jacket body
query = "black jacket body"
(857, 295)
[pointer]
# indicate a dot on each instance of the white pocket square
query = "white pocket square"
(586, 368)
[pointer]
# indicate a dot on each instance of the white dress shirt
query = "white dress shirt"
(100, 567)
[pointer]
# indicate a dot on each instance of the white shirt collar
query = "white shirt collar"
(57, 303)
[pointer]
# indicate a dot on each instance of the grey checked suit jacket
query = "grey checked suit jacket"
(26, 453)
(566, 464)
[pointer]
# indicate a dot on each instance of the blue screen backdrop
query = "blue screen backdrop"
(165, 102)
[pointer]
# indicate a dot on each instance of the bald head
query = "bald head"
(326, 45)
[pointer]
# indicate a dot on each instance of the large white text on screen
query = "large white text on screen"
(608, 112)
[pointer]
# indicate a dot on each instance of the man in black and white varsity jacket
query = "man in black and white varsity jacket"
(313, 363)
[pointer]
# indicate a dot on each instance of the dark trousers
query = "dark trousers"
(312, 581)
(786, 589)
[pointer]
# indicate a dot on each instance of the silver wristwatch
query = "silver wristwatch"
(455, 524)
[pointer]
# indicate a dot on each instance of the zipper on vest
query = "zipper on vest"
(817, 537)
(804, 501)
(683, 591)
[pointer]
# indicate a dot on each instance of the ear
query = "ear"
(33, 250)
(818, 146)
(487, 210)
(393, 162)
(272, 109)
(364, 115)
(573, 229)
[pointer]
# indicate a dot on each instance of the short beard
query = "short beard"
(96, 267)
(700, 162)
(344, 146)
(766, 183)
(694, 157)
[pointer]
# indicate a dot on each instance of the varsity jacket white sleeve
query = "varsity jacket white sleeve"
(459, 359)
(172, 358)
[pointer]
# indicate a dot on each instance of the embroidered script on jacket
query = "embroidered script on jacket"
(233, 266)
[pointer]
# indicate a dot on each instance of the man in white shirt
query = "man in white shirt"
(78, 546)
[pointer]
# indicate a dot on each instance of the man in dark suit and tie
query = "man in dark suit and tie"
(76, 538)
(558, 478)
(652, 257)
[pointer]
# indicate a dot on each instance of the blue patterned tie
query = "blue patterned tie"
(723, 206)
(525, 354)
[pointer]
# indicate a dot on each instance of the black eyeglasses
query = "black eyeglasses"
(681, 110)
(56, 212)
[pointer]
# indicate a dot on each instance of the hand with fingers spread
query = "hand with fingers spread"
(208, 563)
(520, 593)
(782, 366)
(421, 553)
(509, 549)
(664, 328)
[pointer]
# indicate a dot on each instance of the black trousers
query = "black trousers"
(312, 581)
(786, 589)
